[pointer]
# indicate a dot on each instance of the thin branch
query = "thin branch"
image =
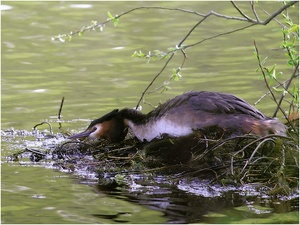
(286, 87)
(277, 21)
(50, 127)
(254, 152)
(289, 82)
(219, 35)
(164, 85)
(243, 18)
(268, 86)
(60, 108)
(254, 11)
(243, 14)
(276, 13)
(263, 73)
(278, 85)
(191, 30)
(149, 85)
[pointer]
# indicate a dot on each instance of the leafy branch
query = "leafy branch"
(95, 25)
(290, 41)
(180, 47)
(205, 16)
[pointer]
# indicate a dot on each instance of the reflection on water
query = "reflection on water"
(228, 206)
(96, 73)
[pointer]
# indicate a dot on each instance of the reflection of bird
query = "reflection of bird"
(182, 115)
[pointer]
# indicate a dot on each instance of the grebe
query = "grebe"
(182, 115)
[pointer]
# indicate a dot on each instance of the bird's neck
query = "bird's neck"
(133, 115)
(147, 128)
(138, 123)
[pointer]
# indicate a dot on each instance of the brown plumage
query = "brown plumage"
(184, 114)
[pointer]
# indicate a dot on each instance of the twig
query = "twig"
(60, 147)
(60, 108)
(265, 79)
(122, 158)
(50, 127)
(269, 88)
(278, 85)
(254, 11)
(218, 35)
(222, 142)
(157, 75)
(277, 21)
(35, 151)
(276, 13)
(254, 152)
(291, 78)
(243, 14)
(260, 139)
(193, 28)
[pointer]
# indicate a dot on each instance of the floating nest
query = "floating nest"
(271, 161)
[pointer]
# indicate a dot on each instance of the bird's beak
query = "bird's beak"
(81, 135)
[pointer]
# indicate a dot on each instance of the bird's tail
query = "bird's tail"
(274, 126)
(268, 126)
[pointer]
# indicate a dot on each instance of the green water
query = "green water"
(38, 195)
(96, 73)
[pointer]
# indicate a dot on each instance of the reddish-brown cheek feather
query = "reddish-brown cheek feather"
(104, 131)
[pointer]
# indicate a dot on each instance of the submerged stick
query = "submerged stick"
(60, 108)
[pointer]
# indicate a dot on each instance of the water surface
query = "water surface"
(96, 73)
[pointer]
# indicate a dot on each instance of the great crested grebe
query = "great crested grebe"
(182, 115)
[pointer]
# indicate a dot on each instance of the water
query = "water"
(96, 73)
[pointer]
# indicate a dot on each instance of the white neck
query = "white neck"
(156, 129)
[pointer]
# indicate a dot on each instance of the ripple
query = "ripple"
(81, 6)
(6, 7)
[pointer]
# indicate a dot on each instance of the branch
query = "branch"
(266, 82)
(257, 21)
(280, 84)
(243, 14)
(276, 13)
(254, 11)
(219, 35)
(286, 88)
(144, 92)
(244, 18)
(193, 28)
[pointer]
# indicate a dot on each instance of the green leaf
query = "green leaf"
(116, 21)
(110, 16)
(171, 49)
(138, 54)
(294, 28)
(94, 22)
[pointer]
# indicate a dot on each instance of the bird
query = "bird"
(183, 115)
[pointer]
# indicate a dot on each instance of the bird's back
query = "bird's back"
(210, 102)
(198, 110)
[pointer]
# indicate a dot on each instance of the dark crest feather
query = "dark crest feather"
(106, 117)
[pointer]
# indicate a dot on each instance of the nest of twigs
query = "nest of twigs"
(270, 161)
